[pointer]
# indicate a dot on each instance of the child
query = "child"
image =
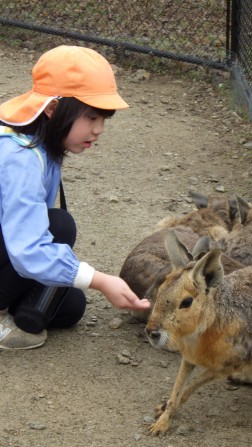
(42, 283)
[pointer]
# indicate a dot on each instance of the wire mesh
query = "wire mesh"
(182, 28)
(244, 48)
(214, 33)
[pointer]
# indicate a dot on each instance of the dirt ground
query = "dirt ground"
(97, 384)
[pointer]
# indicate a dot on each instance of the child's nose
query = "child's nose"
(98, 127)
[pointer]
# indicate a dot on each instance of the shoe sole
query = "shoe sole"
(6, 348)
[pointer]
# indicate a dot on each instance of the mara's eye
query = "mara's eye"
(187, 302)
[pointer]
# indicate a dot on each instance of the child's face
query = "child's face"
(85, 130)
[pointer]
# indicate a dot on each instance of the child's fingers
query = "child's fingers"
(140, 304)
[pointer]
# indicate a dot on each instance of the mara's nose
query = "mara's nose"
(154, 334)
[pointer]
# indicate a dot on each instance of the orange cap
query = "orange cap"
(65, 71)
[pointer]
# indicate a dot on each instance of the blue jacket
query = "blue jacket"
(29, 182)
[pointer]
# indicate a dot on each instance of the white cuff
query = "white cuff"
(84, 276)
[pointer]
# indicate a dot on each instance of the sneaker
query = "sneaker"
(11, 337)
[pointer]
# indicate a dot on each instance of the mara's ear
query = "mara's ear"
(152, 291)
(199, 199)
(243, 208)
(177, 252)
(209, 268)
(233, 207)
(201, 247)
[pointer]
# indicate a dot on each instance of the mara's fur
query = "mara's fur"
(214, 217)
(207, 316)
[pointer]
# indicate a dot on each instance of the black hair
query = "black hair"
(51, 132)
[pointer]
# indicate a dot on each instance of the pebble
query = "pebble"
(164, 101)
(149, 420)
(172, 207)
(248, 145)
(126, 353)
(163, 364)
(113, 199)
(192, 180)
(183, 430)
(123, 360)
(90, 323)
(134, 363)
(116, 323)
(212, 179)
(165, 168)
(37, 426)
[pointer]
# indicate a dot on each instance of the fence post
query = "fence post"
(234, 29)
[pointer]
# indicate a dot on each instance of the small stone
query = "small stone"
(164, 101)
(90, 323)
(165, 168)
(220, 188)
(134, 363)
(126, 353)
(37, 426)
(192, 180)
(123, 360)
(116, 323)
(113, 199)
(248, 145)
(212, 179)
(183, 430)
(172, 207)
(144, 101)
(163, 364)
(149, 420)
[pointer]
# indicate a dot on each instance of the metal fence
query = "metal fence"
(213, 33)
(242, 51)
(177, 29)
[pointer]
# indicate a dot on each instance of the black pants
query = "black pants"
(13, 288)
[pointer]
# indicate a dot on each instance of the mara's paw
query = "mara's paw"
(241, 379)
(159, 428)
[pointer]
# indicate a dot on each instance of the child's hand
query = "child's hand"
(117, 292)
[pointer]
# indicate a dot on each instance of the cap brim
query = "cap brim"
(24, 109)
(111, 101)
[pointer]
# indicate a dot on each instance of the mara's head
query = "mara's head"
(184, 305)
(221, 208)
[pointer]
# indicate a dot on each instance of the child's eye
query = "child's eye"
(92, 117)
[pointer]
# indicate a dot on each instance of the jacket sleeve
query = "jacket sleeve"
(25, 223)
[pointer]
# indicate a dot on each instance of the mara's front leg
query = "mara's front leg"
(163, 423)
(204, 378)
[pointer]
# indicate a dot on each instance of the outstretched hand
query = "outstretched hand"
(117, 292)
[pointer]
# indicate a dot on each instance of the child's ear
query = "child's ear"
(50, 108)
